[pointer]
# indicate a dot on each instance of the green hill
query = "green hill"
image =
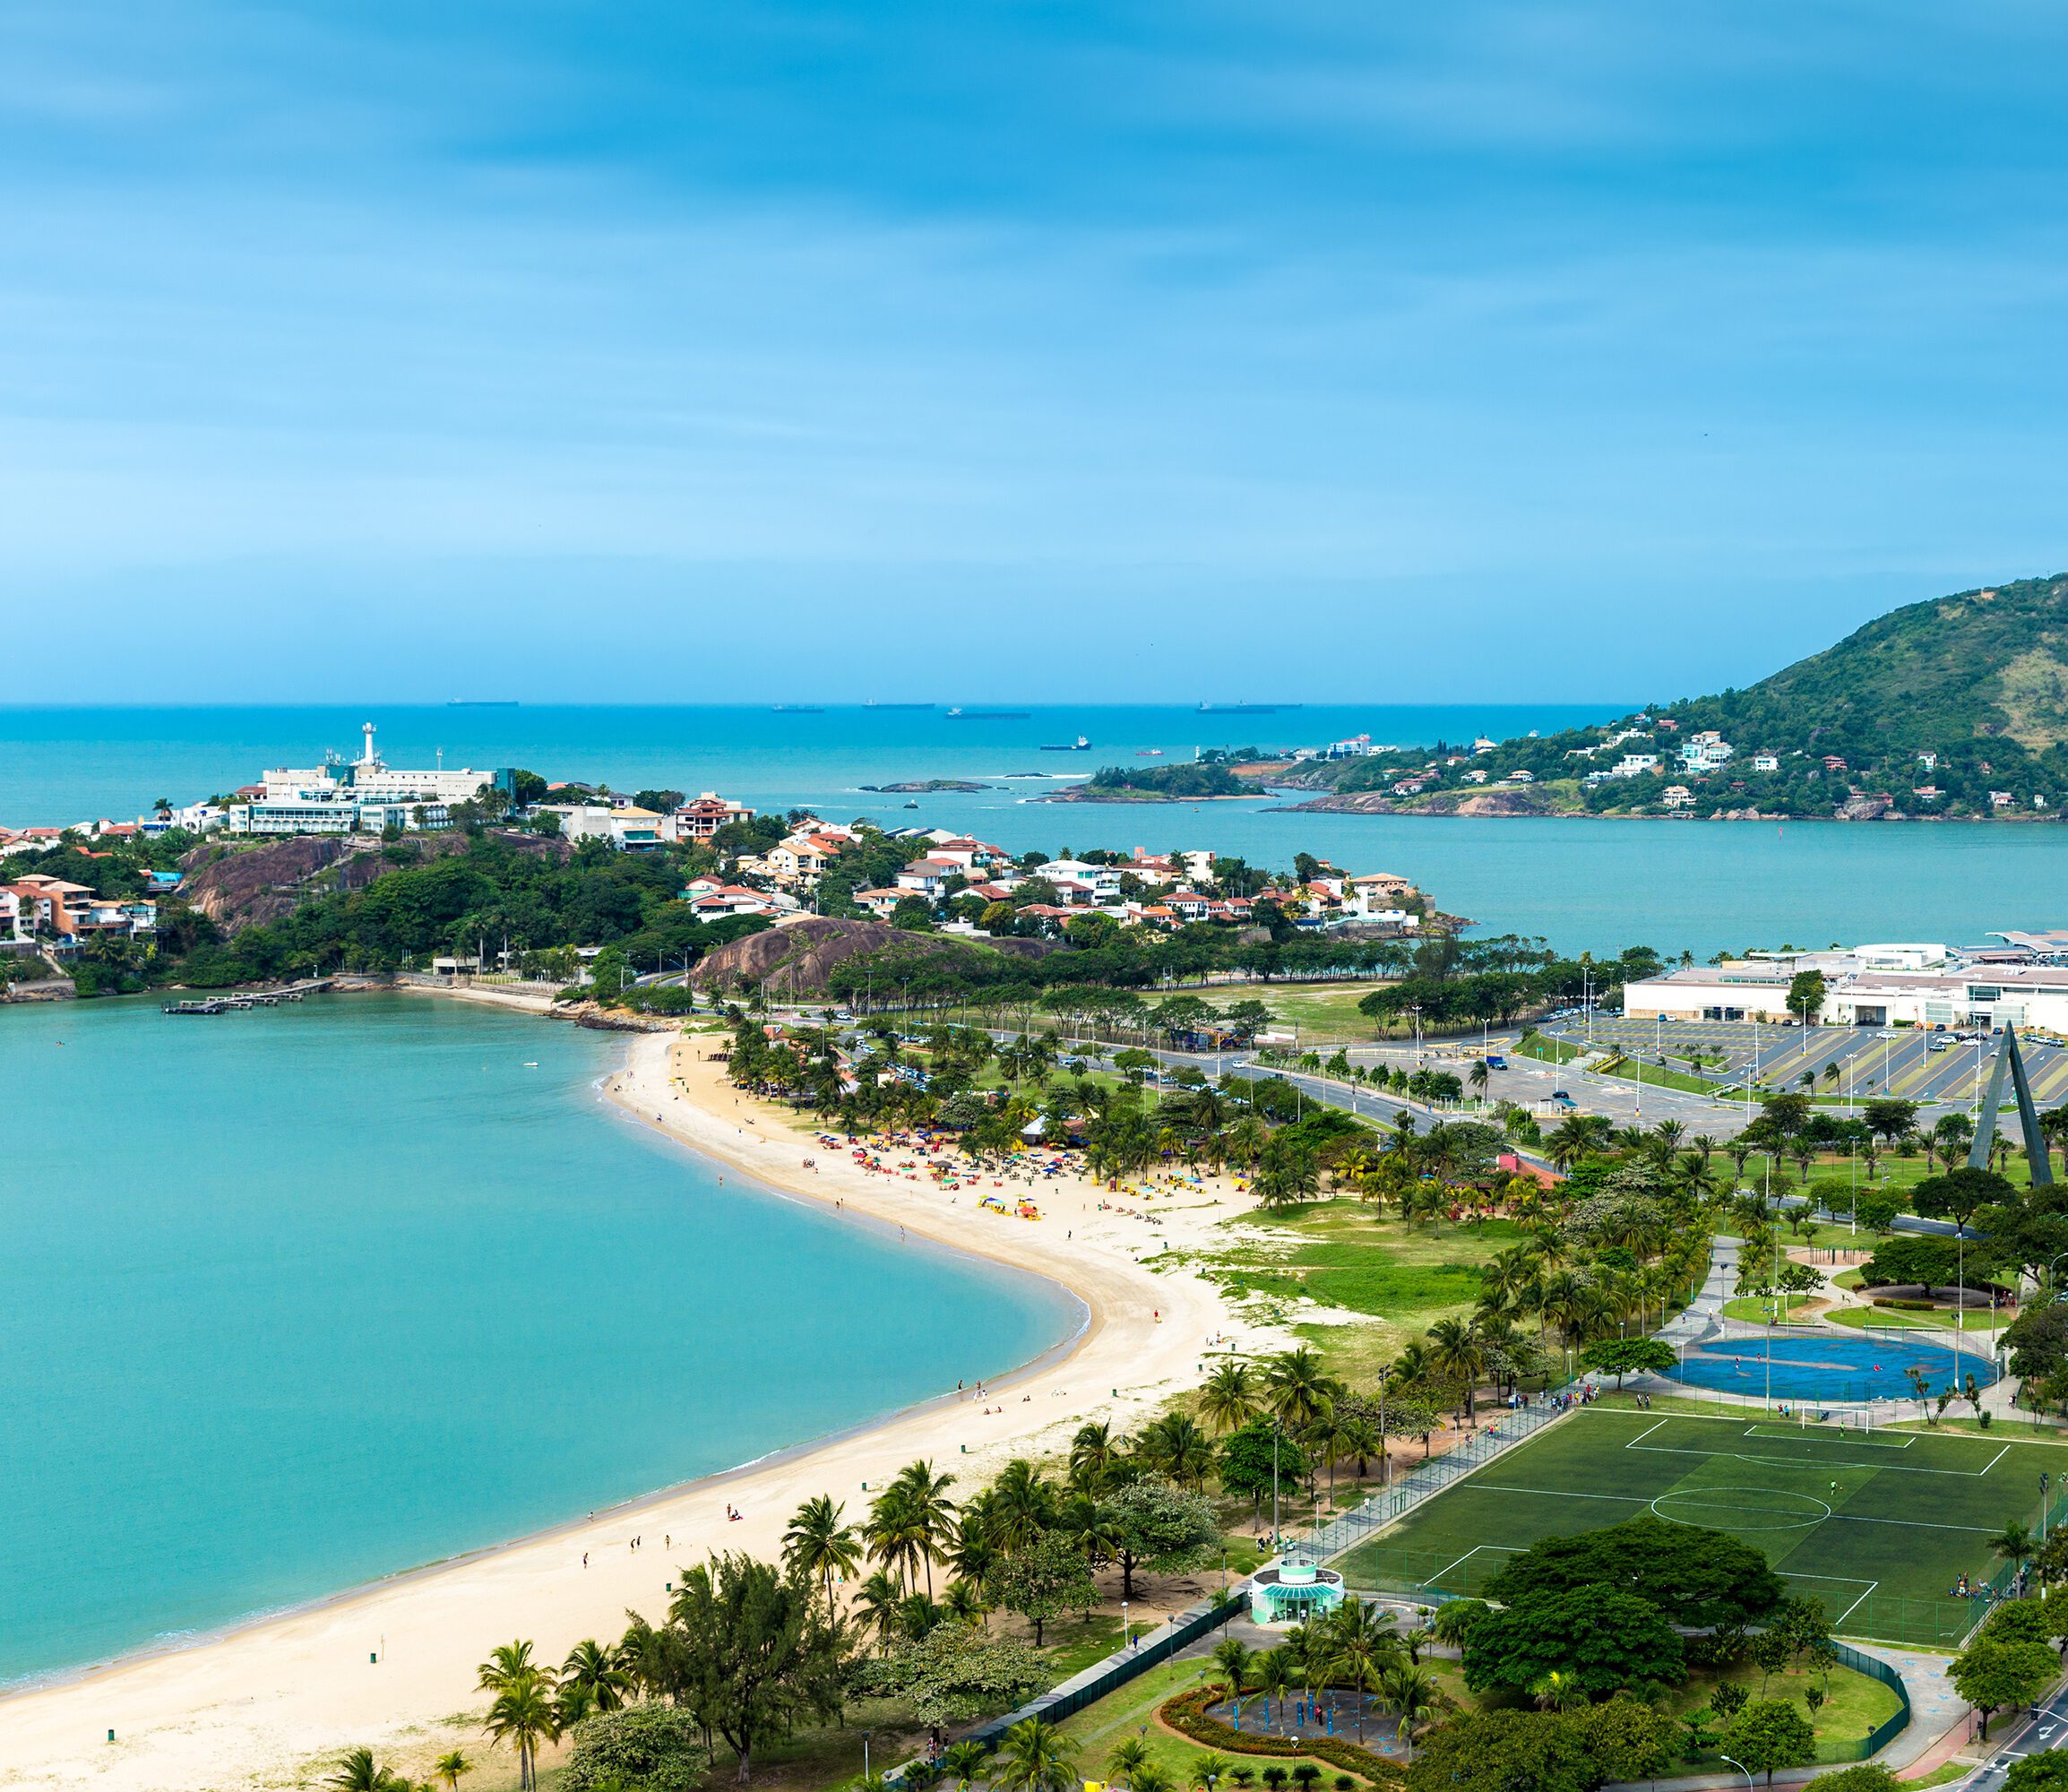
(1956, 707)
(1984, 665)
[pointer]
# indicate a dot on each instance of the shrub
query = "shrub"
(656, 1747)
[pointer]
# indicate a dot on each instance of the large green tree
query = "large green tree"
(1770, 1734)
(1695, 1578)
(1601, 1637)
(758, 1655)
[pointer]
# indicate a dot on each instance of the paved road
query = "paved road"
(2047, 1730)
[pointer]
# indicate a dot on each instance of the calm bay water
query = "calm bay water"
(295, 1299)
(1586, 885)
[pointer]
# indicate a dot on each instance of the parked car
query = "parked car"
(1495, 1062)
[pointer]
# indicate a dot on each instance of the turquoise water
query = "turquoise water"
(295, 1299)
(1697, 886)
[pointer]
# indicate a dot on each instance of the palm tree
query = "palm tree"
(2013, 1544)
(1093, 1453)
(876, 1602)
(964, 1601)
(358, 1772)
(1125, 1759)
(1410, 1691)
(1479, 1076)
(963, 1762)
(1458, 1350)
(1362, 1647)
(450, 1766)
(1557, 1692)
(1232, 1657)
(1022, 1506)
(598, 1670)
(821, 1542)
(1229, 1401)
(1175, 1445)
(1295, 1389)
(523, 1715)
(1151, 1778)
(1274, 1673)
(1208, 1769)
(1034, 1757)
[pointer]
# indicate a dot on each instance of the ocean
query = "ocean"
(295, 1299)
(1586, 885)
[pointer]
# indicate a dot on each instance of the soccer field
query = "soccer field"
(1879, 1526)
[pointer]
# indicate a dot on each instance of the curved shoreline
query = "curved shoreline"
(276, 1693)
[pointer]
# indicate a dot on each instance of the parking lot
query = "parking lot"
(1867, 1064)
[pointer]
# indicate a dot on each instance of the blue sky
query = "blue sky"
(1482, 351)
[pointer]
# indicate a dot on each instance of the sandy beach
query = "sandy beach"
(392, 1664)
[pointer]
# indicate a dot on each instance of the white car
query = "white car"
(1886, 1033)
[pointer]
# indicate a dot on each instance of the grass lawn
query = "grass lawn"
(1854, 1705)
(1339, 1252)
(1896, 1317)
(1758, 1309)
(1547, 1050)
(1878, 1527)
(1326, 1014)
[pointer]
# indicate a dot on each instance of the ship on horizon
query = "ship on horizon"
(958, 714)
(1245, 709)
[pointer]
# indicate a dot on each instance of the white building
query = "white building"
(631, 828)
(1634, 765)
(1678, 796)
(364, 797)
(1705, 752)
(1766, 762)
(1872, 985)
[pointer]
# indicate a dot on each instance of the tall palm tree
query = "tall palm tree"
(1457, 1349)
(1230, 1399)
(1274, 1673)
(523, 1714)
(1362, 1645)
(820, 1542)
(1034, 1757)
(1295, 1389)
(599, 1670)
(876, 1603)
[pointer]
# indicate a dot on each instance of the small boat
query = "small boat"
(1148, 752)
(1081, 745)
(958, 714)
(798, 709)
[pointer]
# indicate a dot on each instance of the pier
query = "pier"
(252, 998)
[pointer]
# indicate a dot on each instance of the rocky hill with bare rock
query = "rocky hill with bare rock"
(246, 887)
(800, 955)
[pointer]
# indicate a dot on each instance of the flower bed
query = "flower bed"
(1187, 1715)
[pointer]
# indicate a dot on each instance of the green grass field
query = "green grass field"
(1878, 1525)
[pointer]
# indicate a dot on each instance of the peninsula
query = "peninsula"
(1953, 709)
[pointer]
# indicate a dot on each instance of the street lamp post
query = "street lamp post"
(1741, 1767)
